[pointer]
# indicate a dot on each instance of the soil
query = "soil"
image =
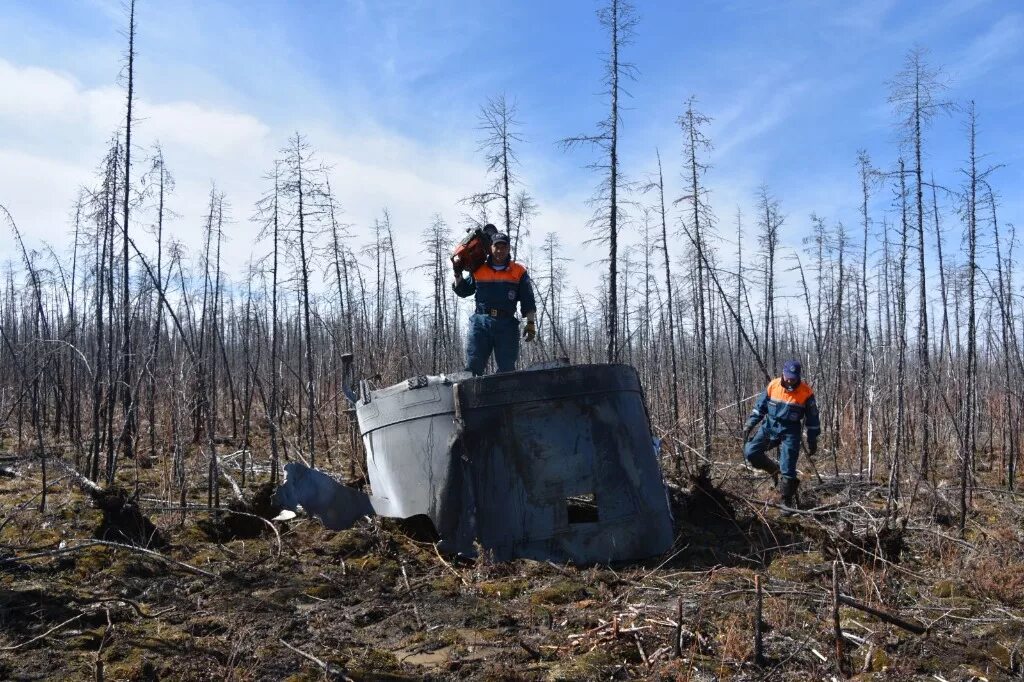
(221, 596)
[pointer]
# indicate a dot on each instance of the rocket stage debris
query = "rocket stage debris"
(550, 464)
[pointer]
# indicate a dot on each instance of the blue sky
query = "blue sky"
(389, 92)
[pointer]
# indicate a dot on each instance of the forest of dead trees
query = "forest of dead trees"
(124, 349)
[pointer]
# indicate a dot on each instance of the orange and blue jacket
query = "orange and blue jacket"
(499, 289)
(785, 410)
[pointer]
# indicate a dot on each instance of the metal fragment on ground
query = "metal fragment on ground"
(549, 464)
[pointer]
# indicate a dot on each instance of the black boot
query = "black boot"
(787, 490)
(767, 465)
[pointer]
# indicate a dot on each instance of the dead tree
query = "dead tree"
(915, 94)
(619, 19)
(306, 194)
(268, 212)
(398, 288)
(769, 221)
(164, 183)
(39, 331)
(865, 395)
(659, 185)
(1011, 357)
(901, 341)
(500, 127)
(130, 432)
(971, 209)
(437, 239)
(700, 218)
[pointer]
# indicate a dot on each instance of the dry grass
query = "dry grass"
(344, 599)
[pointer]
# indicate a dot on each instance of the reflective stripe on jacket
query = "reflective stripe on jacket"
(499, 289)
(786, 409)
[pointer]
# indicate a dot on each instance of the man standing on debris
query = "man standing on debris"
(784, 404)
(498, 284)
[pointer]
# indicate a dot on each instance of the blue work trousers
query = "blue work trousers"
(786, 438)
(486, 334)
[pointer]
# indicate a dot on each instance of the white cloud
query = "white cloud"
(210, 132)
(32, 189)
(1001, 41)
(55, 132)
(32, 92)
(866, 16)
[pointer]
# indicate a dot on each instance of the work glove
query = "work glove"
(530, 331)
(812, 447)
(747, 431)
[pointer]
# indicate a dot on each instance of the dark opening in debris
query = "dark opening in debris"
(582, 508)
(124, 522)
(419, 528)
(243, 520)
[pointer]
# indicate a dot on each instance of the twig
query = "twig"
(823, 510)
(38, 637)
(98, 660)
(272, 527)
(405, 578)
(135, 606)
(640, 648)
(534, 654)
(326, 667)
(837, 631)
(758, 635)
(679, 629)
(116, 545)
(882, 615)
(449, 566)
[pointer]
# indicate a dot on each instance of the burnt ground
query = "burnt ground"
(225, 598)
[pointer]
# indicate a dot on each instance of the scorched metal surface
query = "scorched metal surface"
(562, 464)
(555, 463)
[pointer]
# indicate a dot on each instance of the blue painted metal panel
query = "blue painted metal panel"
(534, 441)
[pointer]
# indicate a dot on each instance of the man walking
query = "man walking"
(784, 405)
(498, 284)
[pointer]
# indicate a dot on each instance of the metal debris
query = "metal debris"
(549, 464)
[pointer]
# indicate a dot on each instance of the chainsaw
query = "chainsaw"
(472, 251)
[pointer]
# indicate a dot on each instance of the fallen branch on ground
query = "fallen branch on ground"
(45, 634)
(882, 615)
(116, 545)
(326, 667)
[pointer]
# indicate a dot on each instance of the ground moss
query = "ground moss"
(382, 570)
(305, 676)
(29, 535)
(798, 567)
(283, 596)
(447, 585)
(368, 564)
(376, 660)
(348, 543)
(562, 592)
(93, 560)
(190, 535)
(588, 666)
(498, 589)
(326, 591)
(880, 660)
(88, 640)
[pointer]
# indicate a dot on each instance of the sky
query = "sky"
(389, 93)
